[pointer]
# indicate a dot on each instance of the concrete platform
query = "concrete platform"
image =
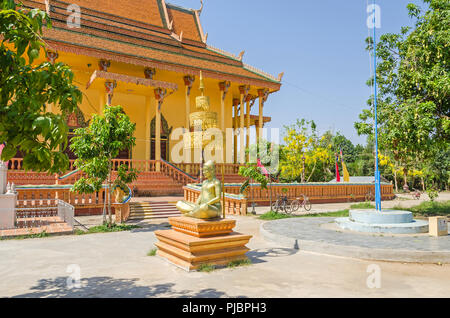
(322, 235)
(386, 221)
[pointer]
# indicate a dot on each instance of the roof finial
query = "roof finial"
(201, 8)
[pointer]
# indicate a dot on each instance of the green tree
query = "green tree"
(304, 145)
(26, 89)
(414, 88)
(268, 155)
(96, 146)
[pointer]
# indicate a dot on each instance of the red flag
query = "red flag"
(338, 177)
(263, 169)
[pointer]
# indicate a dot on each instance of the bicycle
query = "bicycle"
(305, 203)
(282, 203)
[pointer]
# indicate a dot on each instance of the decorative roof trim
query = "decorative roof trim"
(222, 52)
(203, 36)
(130, 79)
(146, 62)
(261, 73)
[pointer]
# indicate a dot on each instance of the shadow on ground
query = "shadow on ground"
(108, 287)
(258, 256)
(146, 227)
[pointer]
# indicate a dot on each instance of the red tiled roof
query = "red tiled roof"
(184, 21)
(124, 34)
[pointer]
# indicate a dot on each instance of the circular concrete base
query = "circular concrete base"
(323, 235)
(386, 221)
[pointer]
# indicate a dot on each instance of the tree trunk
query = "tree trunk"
(312, 172)
(405, 178)
(423, 183)
(395, 180)
(109, 195)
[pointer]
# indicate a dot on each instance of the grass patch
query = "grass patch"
(24, 237)
(107, 229)
(270, 216)
(429, 208)
(337, 214)
(152, 252)
(207, 268)
(239, 262)
(362, 205)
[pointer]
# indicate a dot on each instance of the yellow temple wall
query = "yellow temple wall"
(173, 109)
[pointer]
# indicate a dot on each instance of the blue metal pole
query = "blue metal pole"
(377, 172)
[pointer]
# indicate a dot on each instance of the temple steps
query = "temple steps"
(152, 210)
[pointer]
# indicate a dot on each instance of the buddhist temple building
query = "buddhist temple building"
(146, 55)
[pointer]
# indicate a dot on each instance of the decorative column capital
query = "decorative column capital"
(189, 81)
(103, 65)
(149, 72)
(236, 101)
(224, 86)
(263, 94)
(110, 86)
(160, 94)
(244, 89)
(51, 56)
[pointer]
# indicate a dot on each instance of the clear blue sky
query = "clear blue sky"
(319, 44)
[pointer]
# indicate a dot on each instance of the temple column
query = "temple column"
(148, 136)
(243, 90)
(188, 81)
(51, 57)
(247, 123)
(103, 66)
(224, 86)
(262, 94)
(160, 94)
(235, 125)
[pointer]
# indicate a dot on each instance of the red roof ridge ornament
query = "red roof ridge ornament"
(241, 56)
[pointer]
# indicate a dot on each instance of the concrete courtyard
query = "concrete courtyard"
(117, 265)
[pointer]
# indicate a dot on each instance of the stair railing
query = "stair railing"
(176, 173)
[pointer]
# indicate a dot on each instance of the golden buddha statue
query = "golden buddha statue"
(208, 205)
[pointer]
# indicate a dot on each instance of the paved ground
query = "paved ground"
(324, 236)
(116, 265)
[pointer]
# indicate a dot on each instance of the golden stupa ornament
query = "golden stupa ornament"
(200, 121)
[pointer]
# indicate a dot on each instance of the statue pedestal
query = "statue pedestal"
(193, 242)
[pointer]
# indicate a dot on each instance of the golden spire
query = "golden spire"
(202, 85)
(202, 102)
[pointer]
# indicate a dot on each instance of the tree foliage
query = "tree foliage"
(26, 89)
(303, 144)
(414, 88)
(97, 145)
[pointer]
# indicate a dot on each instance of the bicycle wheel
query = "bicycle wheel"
(307, 205)
(287, 208)
(295, 205)
(275, 206)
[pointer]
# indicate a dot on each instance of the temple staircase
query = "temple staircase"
(152, 211)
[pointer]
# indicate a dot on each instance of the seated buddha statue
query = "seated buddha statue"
(208, 205)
